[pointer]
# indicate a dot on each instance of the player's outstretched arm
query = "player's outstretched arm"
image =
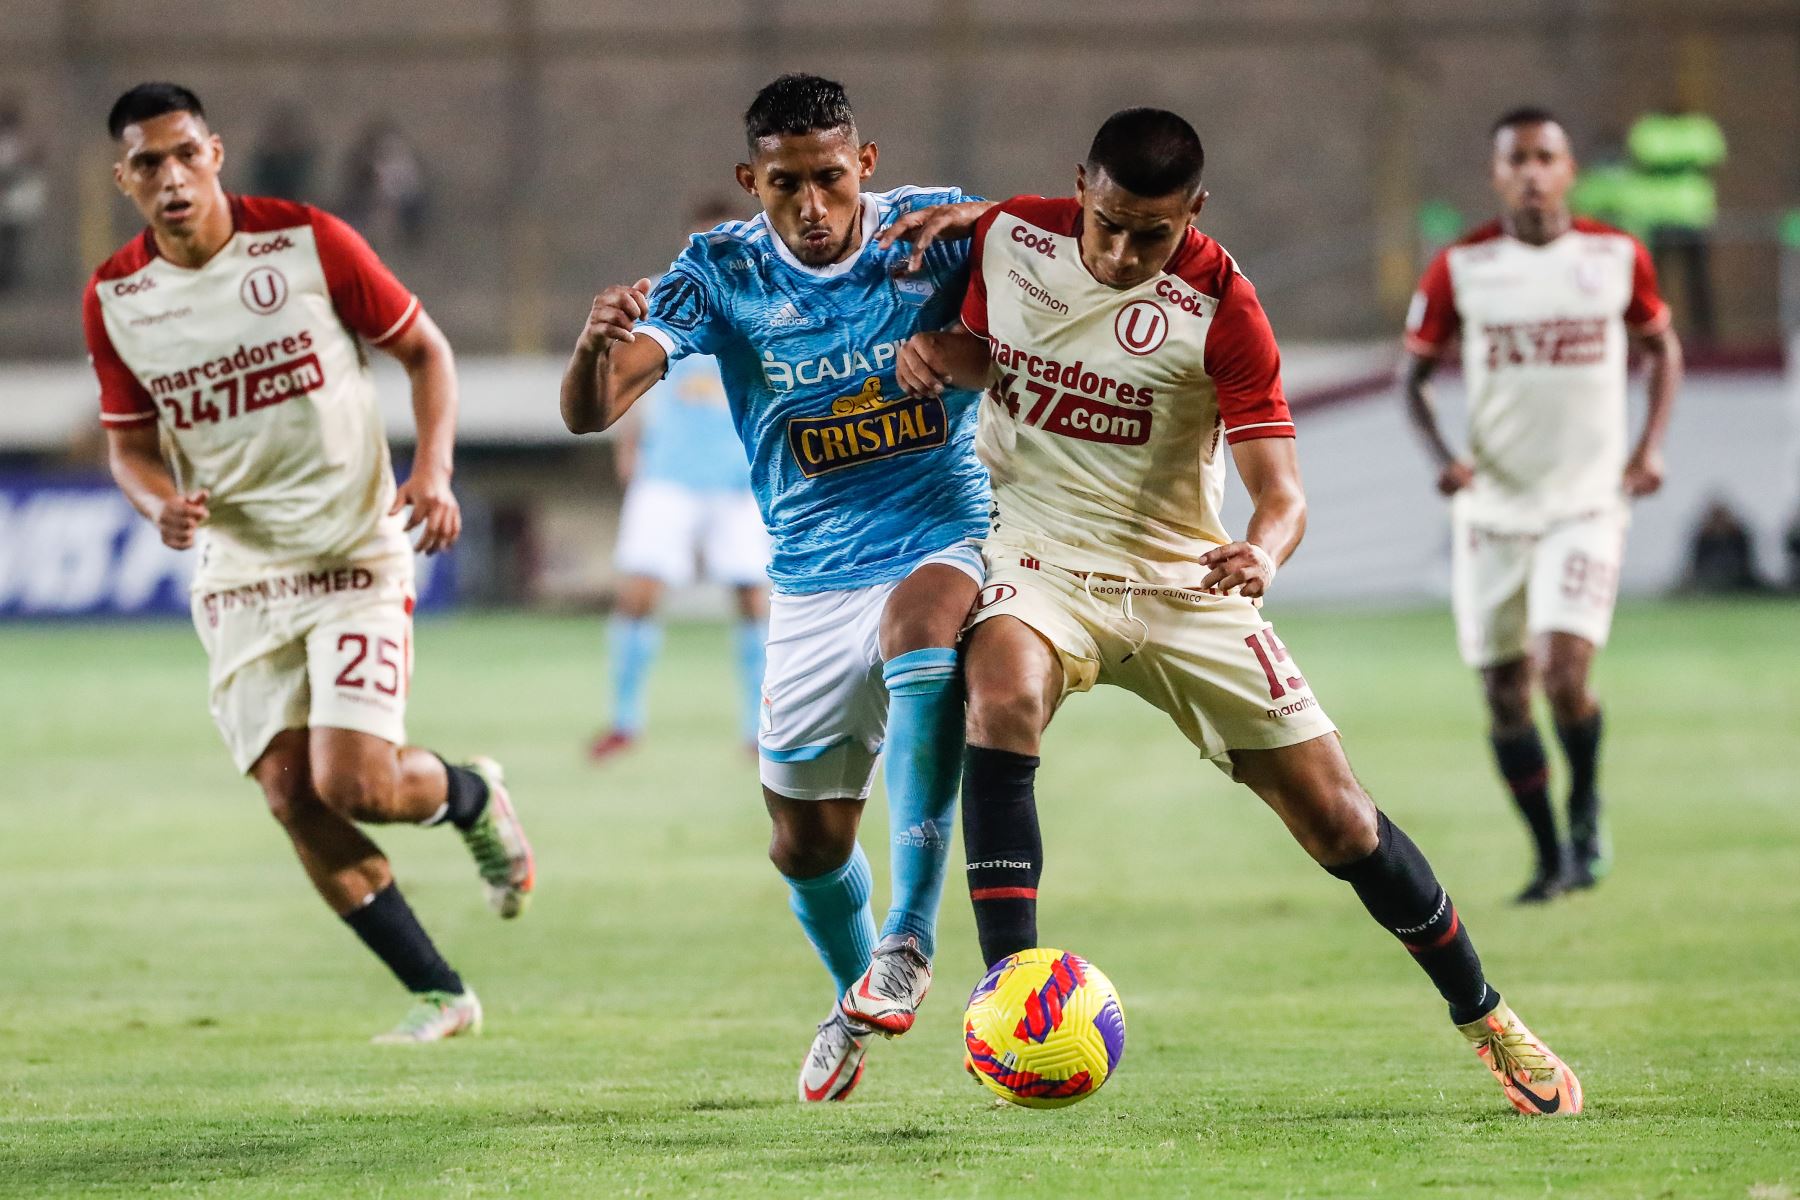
(949, 358)
(611, 366)
(134, 454)
(921, 227)
(1270, 469)
(1644, 470)
(1454, 472)
(431, 367)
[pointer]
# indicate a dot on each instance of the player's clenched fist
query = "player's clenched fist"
(1244, 567)
(615, 311)
(949, 358)
(1454, 476)
(180, 517)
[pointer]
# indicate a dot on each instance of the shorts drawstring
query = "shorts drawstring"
(1137, 643)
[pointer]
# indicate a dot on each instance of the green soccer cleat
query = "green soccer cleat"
(497, 842)
(433, 1017)
(1590, 856)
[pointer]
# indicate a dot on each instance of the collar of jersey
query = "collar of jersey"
(870, 224)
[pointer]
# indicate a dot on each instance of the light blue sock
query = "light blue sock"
(834, 911)
(634, 644)
(750, 638)
(924, 769)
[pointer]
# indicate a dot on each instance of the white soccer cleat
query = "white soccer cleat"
(834, 1064)
(888, 995)
(433, 1017)
(497, 843)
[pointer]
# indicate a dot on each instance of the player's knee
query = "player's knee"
(799, 856)
(290, 799)
(1567, 691)
(353, 791)
(1508, 700)
(1006, 712)
(1344, 827)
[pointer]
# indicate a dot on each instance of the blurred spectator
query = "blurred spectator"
(23, 189)
(1721, 558)
(1610, 189)
(285, 155)
(1791, 543)
(1676, 154)
(385, 193)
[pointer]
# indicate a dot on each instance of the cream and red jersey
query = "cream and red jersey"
(253, 367)
(1544, 331)
(1110, 409)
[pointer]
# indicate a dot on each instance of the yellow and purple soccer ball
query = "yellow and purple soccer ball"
(1044, 1028)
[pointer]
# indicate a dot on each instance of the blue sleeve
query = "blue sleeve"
(947, 262)
(688, 311)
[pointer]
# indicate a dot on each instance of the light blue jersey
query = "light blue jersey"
(856, 481)
(689, 437)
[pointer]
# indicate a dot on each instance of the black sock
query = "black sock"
(465, 795)
(1396, 885)
(1581, 742)
(1004, 849)
(1527, 773)
(387, 926)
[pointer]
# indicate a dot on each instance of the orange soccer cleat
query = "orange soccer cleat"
(1535, 1081)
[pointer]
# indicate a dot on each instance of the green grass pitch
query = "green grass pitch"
(180, 1016)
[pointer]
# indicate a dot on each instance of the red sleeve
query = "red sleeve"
(1245, 366)
(1648, 313)
(1432, 320)
(365, 293)
(974, 309)
(123, 400)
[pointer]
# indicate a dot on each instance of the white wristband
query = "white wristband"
(1265, 561)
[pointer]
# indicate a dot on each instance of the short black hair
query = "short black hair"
(148, 100)
(1525, 114)
(798, 104)
(1148, 152)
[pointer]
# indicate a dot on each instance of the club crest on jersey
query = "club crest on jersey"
(914, 291)
(264, 290)
(866, 426)
(1141, 327)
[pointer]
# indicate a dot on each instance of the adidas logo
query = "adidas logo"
(786, 317)
(924, 834)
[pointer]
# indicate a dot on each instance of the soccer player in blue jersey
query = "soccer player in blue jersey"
(687, 498)
(874, 502)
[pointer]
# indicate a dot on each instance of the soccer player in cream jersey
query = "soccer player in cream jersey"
(1125, 353)
(241, 419)
(874, 502)
(1545, 306)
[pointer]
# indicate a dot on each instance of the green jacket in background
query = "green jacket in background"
(1675, 155)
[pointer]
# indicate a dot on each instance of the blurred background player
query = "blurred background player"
(687, 498)
(1545, 305)
(1109, 562)
(227, 334)
(874, 503)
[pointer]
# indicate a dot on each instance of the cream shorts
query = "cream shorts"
(1507, 588)
(330, 647)
(1212, 663)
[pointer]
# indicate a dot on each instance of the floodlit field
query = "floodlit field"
(179, 1015)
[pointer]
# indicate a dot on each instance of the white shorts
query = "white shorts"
(325, 648)
(664, 528)
(1212, 663)
(824, 703)
(1507, 588)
